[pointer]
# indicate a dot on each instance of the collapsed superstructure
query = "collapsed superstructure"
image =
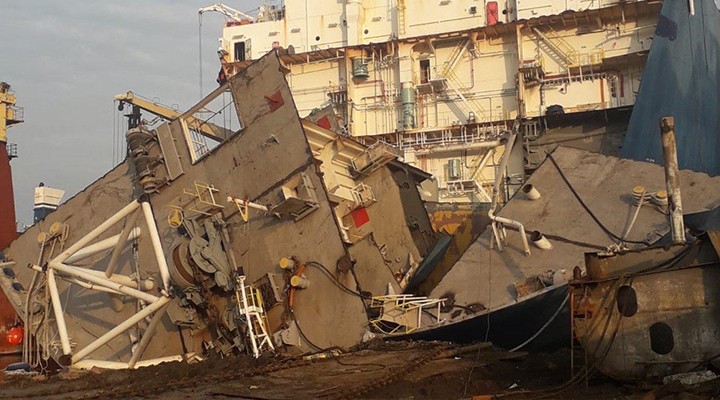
(279, 235)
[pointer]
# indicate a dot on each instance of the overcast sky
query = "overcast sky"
(67, 59)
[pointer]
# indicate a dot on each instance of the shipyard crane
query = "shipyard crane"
(205, 128)
(227, 11)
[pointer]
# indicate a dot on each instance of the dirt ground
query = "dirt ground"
(400, 370)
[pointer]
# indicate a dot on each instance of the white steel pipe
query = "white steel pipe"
(249, 204)
(90, 364)
(85, 240)
(458, 147)
(124, 237)
(90, 277)
(145, 285)
(517, 225)
(89, 286)
(147, 335)
(499, 178)
(157, 246)
(484, 161)
(57, 309)
(107, 244)
(672, 179)
(113, 333)
(540, 241)
(531, 192)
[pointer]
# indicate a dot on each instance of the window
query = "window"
(210, 122)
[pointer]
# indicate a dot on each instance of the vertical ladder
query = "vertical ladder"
(250, 305)
(401, 17)
(579, 304)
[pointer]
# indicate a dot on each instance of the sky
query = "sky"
(66, 60)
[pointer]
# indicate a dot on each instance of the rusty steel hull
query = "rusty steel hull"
(652, 325)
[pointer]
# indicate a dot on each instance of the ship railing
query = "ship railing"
(594, 57)
(445, 137)
(402, 313)
(461, 187)
(17, 114)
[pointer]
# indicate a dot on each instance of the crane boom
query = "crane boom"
(226, 11)
(205, 128)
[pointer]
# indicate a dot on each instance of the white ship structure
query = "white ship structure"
(444, 80)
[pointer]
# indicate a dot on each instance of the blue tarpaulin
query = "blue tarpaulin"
(680, 80)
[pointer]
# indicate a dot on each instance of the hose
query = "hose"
(587, 209)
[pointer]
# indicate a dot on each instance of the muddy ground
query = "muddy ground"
(399, 370)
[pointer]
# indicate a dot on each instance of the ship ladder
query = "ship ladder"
(250, 305)
(468, 105)
(401, 16)
(553, 43)
(579, 306)
(454, 57)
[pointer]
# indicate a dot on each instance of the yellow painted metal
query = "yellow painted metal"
(287, 263)
(200, 201)
(175, 218)
(8, 111)
(465, 223)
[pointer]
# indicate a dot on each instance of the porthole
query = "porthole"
(661, 338)
(627, 301)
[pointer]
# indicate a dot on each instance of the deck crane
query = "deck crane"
(205, 128)
(227, 11)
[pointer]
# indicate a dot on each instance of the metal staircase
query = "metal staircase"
(476, 167)
(553, 44)
(468, 106)
(454, 57)
(250, 306)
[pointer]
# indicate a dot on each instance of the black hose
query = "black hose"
(329, 349)
(302, 334)
(587, 209)
(334, 279)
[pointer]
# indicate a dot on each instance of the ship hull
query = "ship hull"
(653, 325)
(545, 314)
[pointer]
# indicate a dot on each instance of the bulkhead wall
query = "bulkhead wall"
(253, 164)
(400, 234)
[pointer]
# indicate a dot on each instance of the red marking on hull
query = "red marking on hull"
(360, 217)
(8, 233)
(8, 229)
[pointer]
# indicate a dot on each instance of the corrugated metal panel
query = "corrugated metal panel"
(681, 80)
